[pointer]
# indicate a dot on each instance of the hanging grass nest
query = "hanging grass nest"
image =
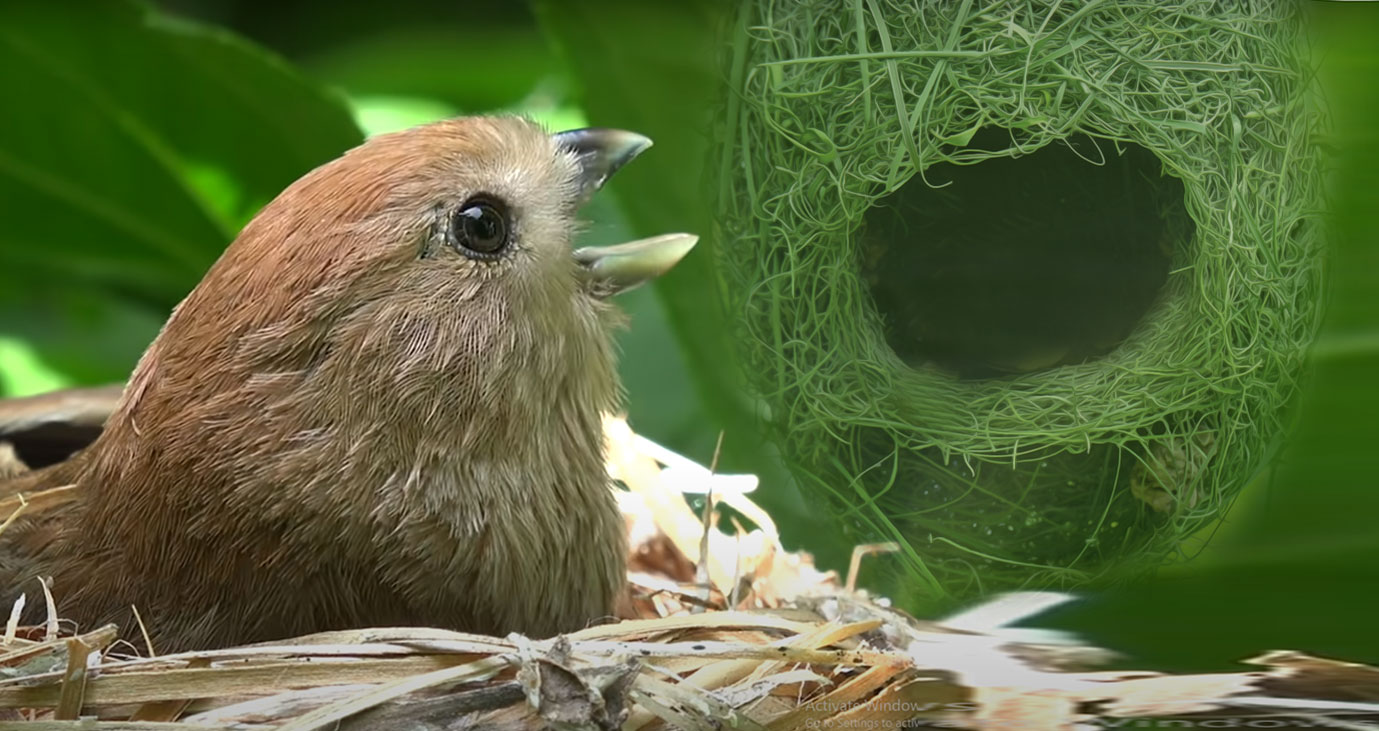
(1024, 287)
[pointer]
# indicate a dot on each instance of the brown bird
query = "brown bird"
(381, 406)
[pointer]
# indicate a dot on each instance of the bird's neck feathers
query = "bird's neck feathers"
(400, 374)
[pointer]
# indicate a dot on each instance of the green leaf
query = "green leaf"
(487, 63)
(24, 373)
(134, 147)
(60, 339)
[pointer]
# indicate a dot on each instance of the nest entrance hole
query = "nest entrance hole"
(1020, 264)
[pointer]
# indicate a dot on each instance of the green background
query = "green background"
(134, 146)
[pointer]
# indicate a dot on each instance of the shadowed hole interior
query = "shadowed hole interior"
(1019, 264)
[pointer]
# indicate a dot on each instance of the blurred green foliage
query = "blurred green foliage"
(471, 56)
(136, 147)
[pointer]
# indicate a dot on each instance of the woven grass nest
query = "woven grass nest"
(1023, 287)
(724, 629)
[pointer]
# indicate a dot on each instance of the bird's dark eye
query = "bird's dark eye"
(480, 229)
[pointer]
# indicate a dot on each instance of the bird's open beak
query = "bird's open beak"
(608, 270)
(601, 151)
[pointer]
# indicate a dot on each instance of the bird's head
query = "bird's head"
(429, 268)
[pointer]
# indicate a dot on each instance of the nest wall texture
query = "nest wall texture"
(1062, 474)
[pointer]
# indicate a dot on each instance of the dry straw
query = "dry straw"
(1061, 475)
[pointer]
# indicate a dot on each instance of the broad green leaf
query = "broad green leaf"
(71, 337)
(473, 64)
(24, 371)
(132, 149)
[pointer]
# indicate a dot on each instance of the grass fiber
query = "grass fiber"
(1091, 447)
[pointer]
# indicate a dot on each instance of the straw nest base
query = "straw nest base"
(759, 640)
